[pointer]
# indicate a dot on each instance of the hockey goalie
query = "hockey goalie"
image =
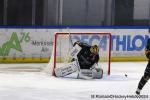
(84, 61)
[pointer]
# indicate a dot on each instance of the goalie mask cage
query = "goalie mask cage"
(63, 42)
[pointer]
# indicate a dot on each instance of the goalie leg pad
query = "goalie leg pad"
(97, 73)
(66, 70)
(85, 74)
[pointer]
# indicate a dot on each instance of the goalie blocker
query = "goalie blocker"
(92, 72)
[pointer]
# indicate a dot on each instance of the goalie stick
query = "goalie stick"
(70, 39)
(79, 70)
(69, 67)
(67, 59)
(70, 36)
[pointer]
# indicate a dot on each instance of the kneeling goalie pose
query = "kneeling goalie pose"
(84, 61)
(146, 75)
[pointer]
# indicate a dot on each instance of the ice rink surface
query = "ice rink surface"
(41, 86)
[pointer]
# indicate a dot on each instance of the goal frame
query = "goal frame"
(80, 33)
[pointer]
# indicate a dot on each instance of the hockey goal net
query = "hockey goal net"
(63, 42)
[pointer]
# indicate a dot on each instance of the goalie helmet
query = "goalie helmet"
(94, 49)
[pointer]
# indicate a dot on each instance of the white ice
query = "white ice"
(41, 86)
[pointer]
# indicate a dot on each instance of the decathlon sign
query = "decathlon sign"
(133, 42)
(102, 40)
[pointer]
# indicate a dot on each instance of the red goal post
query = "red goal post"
(63, 43)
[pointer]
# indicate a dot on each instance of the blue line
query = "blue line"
(77, 27)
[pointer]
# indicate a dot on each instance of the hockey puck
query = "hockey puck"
(126, 75)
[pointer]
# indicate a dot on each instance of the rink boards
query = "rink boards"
(35, 44)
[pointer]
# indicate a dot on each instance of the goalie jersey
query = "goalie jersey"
(85, 57)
